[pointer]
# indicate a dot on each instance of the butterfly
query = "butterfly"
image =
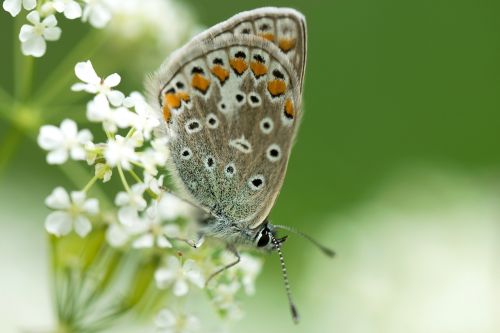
(231, 103)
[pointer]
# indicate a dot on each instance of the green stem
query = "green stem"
(91, 182)
(61, 77)
(135, 176)
(123, 179)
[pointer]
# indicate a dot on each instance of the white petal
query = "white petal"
(115, 97)
(112, 80)
(144, 241)
(72, 10)
(69, 128)
(99, 16)
(33, 17)
(122, 198)
(78, 197)
(50, 137)
(181, 287)
(82, 226)
(79, 86)
(58, 199)
(163, 276)
(128, 216)
(50, 21)
(26, 32)
(165, 319)
(52, 34)
(34, 46)
(84, 136)
(58, 223)
(116, 235)
(57, 156)
(193, 273)
(85, 72)
(162, 242)
(58, 5)
(91, 206)
(173, 263)
(29, 4)
(12, 6)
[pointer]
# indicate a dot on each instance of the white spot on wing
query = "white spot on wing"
(241, 144)
(266, 125)
(273, 153)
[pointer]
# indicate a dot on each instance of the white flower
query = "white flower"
(117, 234)
(130, 203)
(224, 299)
(121, 151)
(167, 322)
(33, 36)
(249, 267)
(171, 207)
(153, 232)
(70, 212)
(64, 141)
(146, 120)
(154, 184)
(14, 6)
(98, 110)
(156, 156)
(104, 171)
(93, 84)
(178, 275)
(70, 8)
(96, 12)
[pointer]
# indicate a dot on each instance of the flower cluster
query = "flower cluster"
(142, 217)
(42, 20)
(165, 18)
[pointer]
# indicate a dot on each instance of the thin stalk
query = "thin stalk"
(122, 178)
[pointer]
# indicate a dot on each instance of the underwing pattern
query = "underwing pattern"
(231, 103)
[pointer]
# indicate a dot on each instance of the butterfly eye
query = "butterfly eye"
(263, 239)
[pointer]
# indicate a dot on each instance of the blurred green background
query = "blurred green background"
(397, 166)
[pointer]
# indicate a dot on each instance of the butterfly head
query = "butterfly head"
(266, 238)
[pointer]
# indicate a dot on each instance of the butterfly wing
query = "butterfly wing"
(231, 105)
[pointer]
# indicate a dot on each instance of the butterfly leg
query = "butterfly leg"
(234, 251)
(194, 244)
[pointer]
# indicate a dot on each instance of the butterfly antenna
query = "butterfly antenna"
(327, 251)
(293, 309)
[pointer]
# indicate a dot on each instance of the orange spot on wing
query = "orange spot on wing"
(258, 68)
(289, 109)
(276, 87)
(269, 36)
(183, 95)
(238, 65)
(172, 100)
(220, 72)
(286, 44)
(200, 83)
(167, 115)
